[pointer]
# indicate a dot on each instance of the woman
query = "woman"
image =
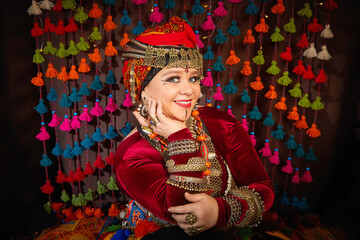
(194, 168)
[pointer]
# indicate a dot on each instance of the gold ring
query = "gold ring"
(193, 230)
(190, 219)
(154, 121)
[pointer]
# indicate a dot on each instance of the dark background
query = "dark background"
(334, 194)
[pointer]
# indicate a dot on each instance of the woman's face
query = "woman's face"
(177, 90)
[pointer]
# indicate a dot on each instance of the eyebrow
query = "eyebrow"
(180, 71)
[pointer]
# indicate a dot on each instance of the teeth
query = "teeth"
(183, 101)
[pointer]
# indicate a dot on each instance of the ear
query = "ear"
(143, 95)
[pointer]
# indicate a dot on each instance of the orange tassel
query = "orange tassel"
(257, 85)
(98, 213)
(109, 24)
(262, 27)
(56, 206)
(63, 75)
(271, 94)
(125, 40)
(79, 214)
(83, 67)
(95, 57)
(113, 211)
(246, 69)
(249, 38)
(38, 81)
(293, 115)
(281, 105)
(89, 211)
(95, 12)
(301, 124)
(73, 74)
(51, 72)
(110, 49)
(313, 132)
(233, 59)
(209, 104)
(279, 8)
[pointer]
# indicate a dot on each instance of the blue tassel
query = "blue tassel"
(119, 235)
(197, 8)
(233, 30)
(251, 9)
(230, 88)
(184, 16)
(77, 150)
(310, 156)
(52, 97)
(41, 108)
(303, 205)
(209, 55)
(57, 150)
(269, 121)
(65, 102)
(125, 20)
(110, 2)
(284, 200)
(84, 90)
(220, 38)
(97, 135)
(218, 66)
(110, 78)
(291, 144)
(299, 152)
(111, 134)
(265, 0)
(68, 152)
(127, 129)
(87, 142)
(169, 4)
(245, 98)
(45, 161)
(279, 134)
(295, 201)
(96, 84)
(138, 29)
(255, 114)
(74, 96)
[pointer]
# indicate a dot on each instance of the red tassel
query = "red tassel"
(60, 177)
(98, 213)
(70, 178)
(287, 168)
(48, 26)
(113, 211)
(79, 175)
(308, 74)
(265, 151)
(60, 28)
(71, 27)
(88, 169)
(330, 5)
(274, 159)
(286, 56)
(110, 159)
(47, 188)
(315, 26)
(99, 163)
(321, 77)
(58, 6)
(304, 43)
(245, 124)
(156, 16)
(253, 139)
(306, 177)
(296, 177)
(36, 30)
(300, 68)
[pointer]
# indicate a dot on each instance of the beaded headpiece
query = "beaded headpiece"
(172, 45)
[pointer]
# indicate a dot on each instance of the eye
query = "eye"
(194, 79)
(174, 79)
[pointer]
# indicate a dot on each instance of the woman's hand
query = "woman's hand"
(164, 126)
(203, 206)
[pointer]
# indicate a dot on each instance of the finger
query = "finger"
(159, 112)
(152, 107)
(179, 218)
(194, 197)
(141, 119)
(187, 208)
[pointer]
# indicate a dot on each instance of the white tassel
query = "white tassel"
(326, 33)
(324, 54)
(46, 5)
(310, 52)
(34, 9)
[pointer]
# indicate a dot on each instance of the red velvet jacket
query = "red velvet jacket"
(142, 174)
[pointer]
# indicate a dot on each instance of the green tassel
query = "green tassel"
(113, 228)
(304, 101)
(64, 196)
(296, 91)
(82, 45)
(276, 36)
(290, 26)
(273, 69)
(95, 35)
(47, 207)
(49, 49)
(80, 15)
(81, 199)
(61, 52)
(101, 188)
(112, 185)
(305, 12)
(72, 50)
(90, 195)
(244, 233)
(38, 58)
(284, 80)
(75, 200)
(259, 58)
(317, 104)
(68, 4)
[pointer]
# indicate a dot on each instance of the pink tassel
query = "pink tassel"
(85, 116)
(199, 43)
(288, 168)
(220, 11)
(75, 123)
(156, 16)
(111, 107)
(296, 177)
(230, 112)
(306, 177)
(97, 110)
(266, 151)
(207, 81)
(208, 25)
(245, 124)
(274, 159)
(235, 1)
(253, 139)
(127, 102)
(218, 96)
(65, 126)
(43, 135)
(138, 2)
(55, 120)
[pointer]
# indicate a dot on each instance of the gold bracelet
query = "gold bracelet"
(187, 168)
(189, 186)
(181, 147)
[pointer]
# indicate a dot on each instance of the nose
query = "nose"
(186, 88)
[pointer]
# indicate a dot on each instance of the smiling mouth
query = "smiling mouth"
(183, 103)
